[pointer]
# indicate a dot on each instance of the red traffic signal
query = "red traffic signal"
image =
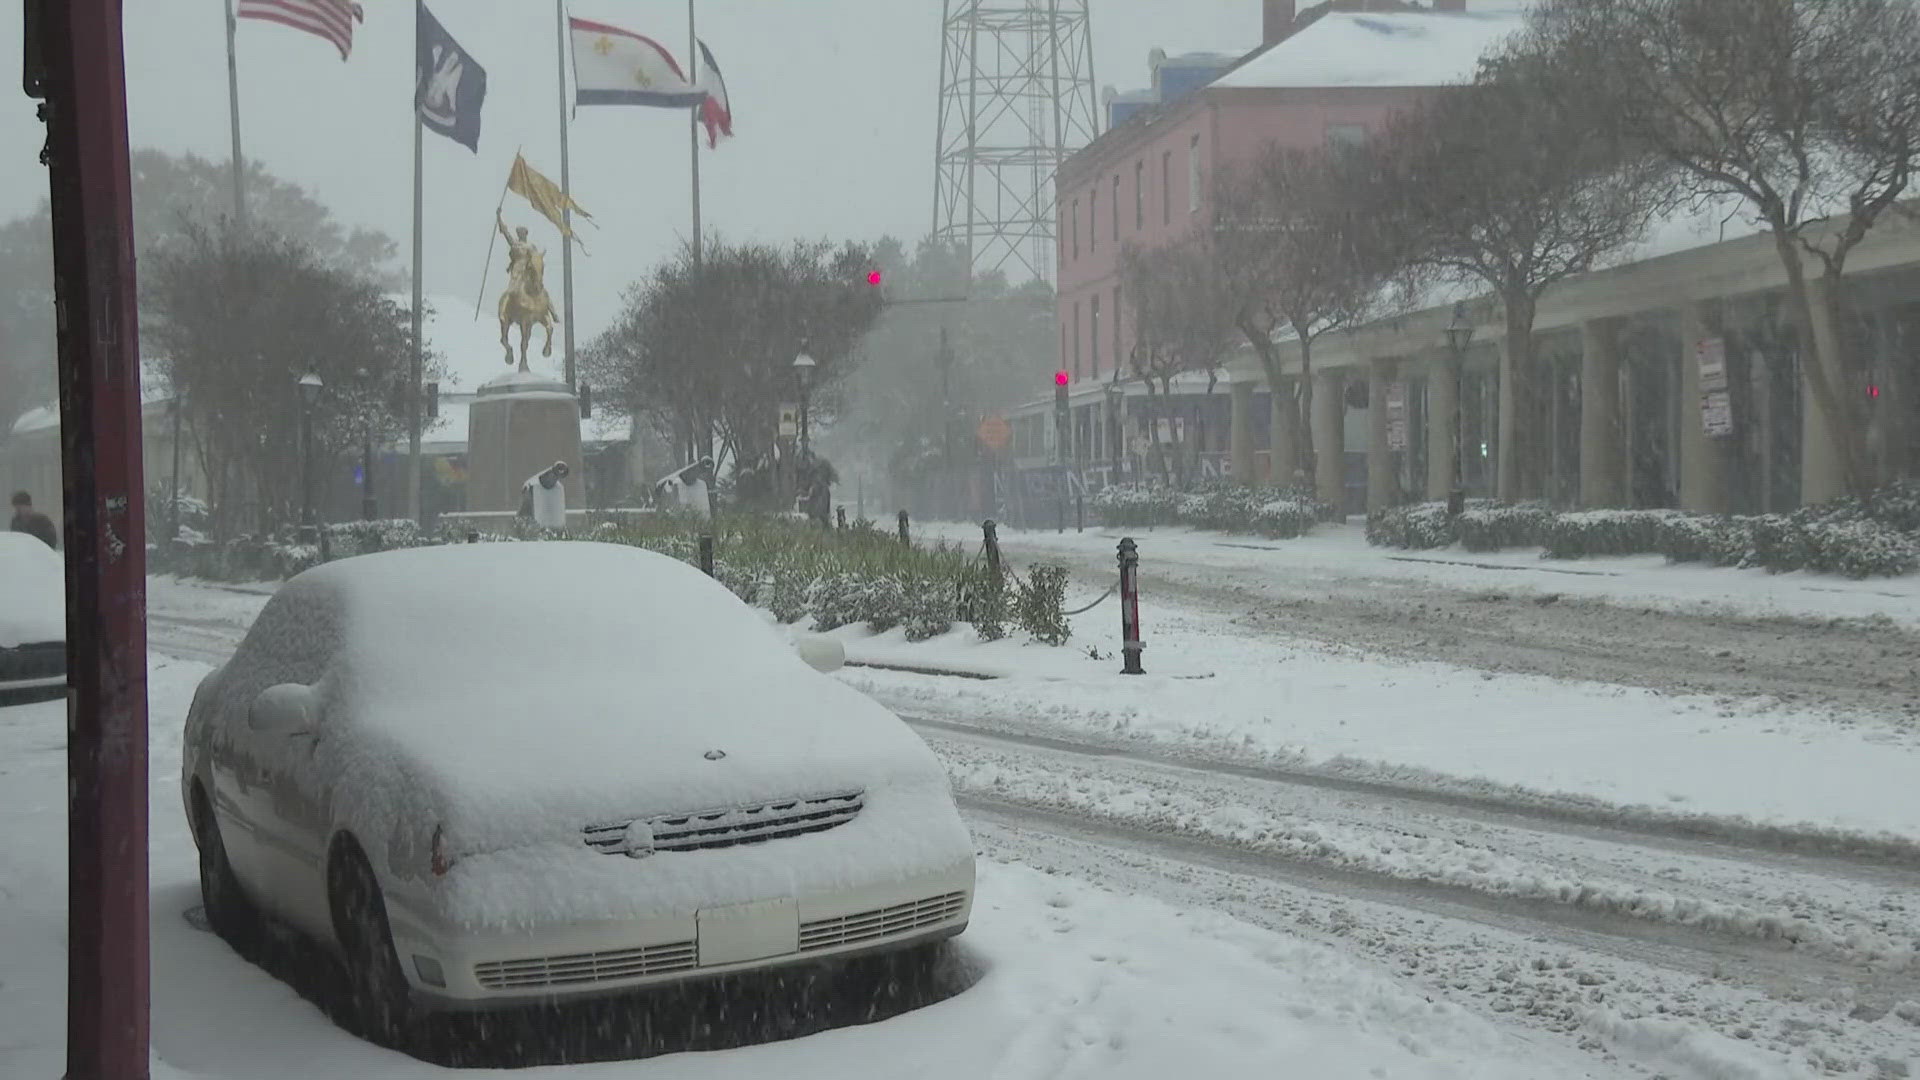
(1061, 378)
(873, 278)
(1873, 391)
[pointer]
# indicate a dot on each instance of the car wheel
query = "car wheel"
(229, 912)
(376, 983)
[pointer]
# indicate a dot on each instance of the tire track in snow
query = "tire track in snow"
(1714, 894)
(1883, 859)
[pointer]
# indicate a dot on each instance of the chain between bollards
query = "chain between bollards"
(1130, 641)
(706, 555)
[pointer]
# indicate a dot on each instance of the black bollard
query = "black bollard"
(904, 538)
(473, 536)
(1130, 643)
(706, 555)
(841, 511)
(990, 539)
(1080, 512)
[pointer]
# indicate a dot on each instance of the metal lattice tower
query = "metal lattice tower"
(1016, 98)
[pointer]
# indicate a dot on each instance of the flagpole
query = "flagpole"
(703, 432)
(413, 364)
(492, 235)
(566, 189)
(233, 111)
(693, 130)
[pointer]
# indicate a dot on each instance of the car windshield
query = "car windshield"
(964, 538)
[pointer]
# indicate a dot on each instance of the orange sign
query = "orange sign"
(995, 433)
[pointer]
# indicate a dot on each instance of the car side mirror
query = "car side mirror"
(823, 654)
(285, 709)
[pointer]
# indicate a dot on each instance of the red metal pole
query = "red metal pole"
(90, 188)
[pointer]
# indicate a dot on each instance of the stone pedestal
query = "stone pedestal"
(519, 424)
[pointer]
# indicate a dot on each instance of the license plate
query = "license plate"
(740, 932)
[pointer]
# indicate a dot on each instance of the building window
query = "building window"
(1166, 187)
(1346, 135)
(1093, 219)
(1139, 195)
(1116, 208)
(1193, 175)
(1076, 228)
(1094, 333)
(1076, 339)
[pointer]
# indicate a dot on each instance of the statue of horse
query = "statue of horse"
(525, 303)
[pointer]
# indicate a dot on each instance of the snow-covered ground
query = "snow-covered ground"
(1077, 980)
(1342, 551)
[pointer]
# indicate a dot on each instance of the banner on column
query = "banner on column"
(1716, 403)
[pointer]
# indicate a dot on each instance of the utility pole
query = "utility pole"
(74, 59)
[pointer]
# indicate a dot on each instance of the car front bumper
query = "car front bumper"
(466, 970)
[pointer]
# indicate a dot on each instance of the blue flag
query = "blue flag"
(448, 85)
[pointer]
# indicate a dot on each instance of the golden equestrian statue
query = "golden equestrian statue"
(525, 302)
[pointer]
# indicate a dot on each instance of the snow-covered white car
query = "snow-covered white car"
(33, 620)
(498, 774)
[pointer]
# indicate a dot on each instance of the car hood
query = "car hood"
(528, 763)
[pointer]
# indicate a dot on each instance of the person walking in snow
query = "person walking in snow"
(32, 522)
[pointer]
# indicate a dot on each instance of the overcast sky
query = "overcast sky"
(834, 107)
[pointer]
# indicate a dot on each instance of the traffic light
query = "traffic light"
(873, 278)
(1873, 391)
(1060, 381)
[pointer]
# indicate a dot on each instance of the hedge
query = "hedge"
(795, 569)
(1221, 507)
(1859, 538)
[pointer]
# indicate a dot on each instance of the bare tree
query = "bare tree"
(1801, 110)
(238, 317)
(1297, 255)
(1182, 323)
(1506, 185)
(710, 347)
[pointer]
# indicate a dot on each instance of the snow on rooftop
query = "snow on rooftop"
(1379, 49)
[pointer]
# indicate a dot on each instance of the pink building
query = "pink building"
(1331, 73)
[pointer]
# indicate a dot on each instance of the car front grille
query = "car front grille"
(582, 968)
(880, 922)
(37, 660)
(731, 825)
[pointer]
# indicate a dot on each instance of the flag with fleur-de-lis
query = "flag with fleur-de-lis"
(612, 66)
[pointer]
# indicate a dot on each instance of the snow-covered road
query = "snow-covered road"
(1640, 942)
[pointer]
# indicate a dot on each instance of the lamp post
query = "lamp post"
(369, 506)
(803, 369)
(1459, 338)
(310, 387)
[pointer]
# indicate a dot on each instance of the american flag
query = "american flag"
(330, 19)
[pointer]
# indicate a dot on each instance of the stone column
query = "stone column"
(1330, 438)
(1603, 451)
(1823, 472)
(1382, 479)
(1443, 425)
(1703, 458)
(1283, 435)
(1240, 431)
(1507, 454)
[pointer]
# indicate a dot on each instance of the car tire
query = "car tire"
(230, 913)
(376, 984)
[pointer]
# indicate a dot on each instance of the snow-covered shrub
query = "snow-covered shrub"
(1589, 533)
(925, 611)
(836, 600)
(1716, 541)
(881, 602)
(1222, 506)
(286, 560)
(1040, 604)
(1856, 549)
(981, 599)
(1287, 517)
(1418, 526)
(1136, 505)
(788, 590)
(366, 537)
(1504, 525)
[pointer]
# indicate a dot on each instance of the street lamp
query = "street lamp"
(1459, 338)
(310, 387)
(1116, 429)
(803, 369)
(369, 507)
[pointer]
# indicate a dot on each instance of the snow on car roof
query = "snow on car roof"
(33, 581)
(1379, 49)
(529, 683)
